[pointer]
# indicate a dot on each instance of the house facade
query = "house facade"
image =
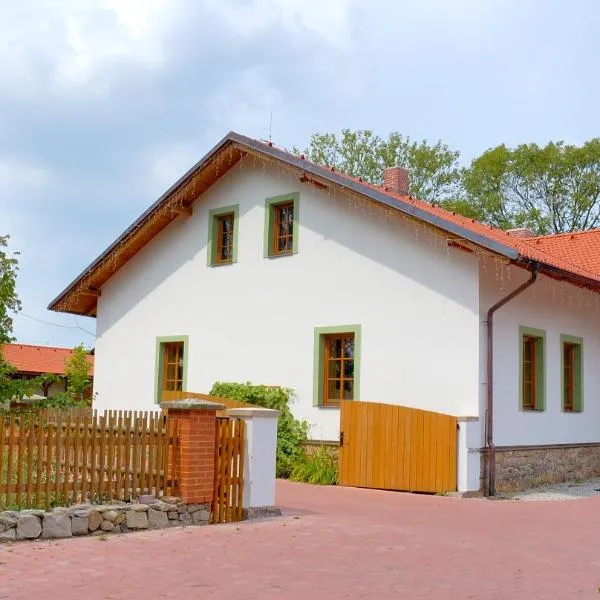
(260, 266)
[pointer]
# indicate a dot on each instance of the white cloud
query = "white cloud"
(245, 104)
(66, 43)
(329, 19)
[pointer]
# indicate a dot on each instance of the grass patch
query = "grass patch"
(320, 467)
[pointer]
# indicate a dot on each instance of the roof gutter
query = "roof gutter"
(490, 454)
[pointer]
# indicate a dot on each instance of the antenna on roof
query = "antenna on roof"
(271, 126)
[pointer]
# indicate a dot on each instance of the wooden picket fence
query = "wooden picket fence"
(53, 457)
(229, 470)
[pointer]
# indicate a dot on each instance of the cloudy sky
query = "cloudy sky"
(105, 103)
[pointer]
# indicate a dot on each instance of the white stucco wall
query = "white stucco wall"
(558, 308)
(415, 299)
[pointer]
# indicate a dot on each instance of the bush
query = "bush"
(291, 433)
(321, 468)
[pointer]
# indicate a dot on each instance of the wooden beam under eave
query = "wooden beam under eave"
(91, 292)
(184, 211)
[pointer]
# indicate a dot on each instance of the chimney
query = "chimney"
(396, 180)
(522, 232)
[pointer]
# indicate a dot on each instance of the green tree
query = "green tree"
(9, 306)
(77, 372)
(9, 300)
(434, 169)
(550, 189)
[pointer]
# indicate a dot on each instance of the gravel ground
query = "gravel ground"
(561, 491)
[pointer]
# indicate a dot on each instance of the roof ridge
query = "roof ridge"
(37, 346)
(552, 236)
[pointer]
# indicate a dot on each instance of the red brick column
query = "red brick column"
(196, 429)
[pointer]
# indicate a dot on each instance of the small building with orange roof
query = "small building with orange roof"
(31, 361)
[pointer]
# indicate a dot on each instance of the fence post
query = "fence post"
(196, 428)
(260, 446)
(469, 437)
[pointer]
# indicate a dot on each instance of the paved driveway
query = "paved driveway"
(333, 543)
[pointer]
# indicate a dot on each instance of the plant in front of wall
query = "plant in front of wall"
(291, 433)
(320, 467)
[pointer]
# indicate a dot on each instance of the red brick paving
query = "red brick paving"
(333, 543)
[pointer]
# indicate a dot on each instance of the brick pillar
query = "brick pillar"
(196, 428)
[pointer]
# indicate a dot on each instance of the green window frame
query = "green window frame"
(572, 345)
(159, 364)
(271, 205)
(214, 217)
(532, 369)
(320, 338)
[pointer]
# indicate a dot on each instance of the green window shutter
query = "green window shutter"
(270, 204)
(578, 382)
(540, 367)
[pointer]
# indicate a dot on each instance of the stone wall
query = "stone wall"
(523, 467)
(313, 446)
(114, 517)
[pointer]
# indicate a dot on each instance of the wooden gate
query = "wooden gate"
(229, 470)
(392, 447)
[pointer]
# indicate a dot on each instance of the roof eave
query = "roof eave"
(311, 168)
(163, 198)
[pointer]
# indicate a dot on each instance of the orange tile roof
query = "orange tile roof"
(582, 247)
(581, 257)
(39, 359)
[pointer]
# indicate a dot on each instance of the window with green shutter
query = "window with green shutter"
(532, 369)
(572, 373)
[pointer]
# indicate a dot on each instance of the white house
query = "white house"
(258, 265)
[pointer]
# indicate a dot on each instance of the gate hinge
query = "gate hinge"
(341, 438)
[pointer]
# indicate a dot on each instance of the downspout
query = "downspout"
(490, 455)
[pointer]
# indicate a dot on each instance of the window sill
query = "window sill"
(287, 254)
(223, 264)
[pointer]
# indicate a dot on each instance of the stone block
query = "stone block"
(157, 519)
(94, 519)
(107, 526)
(7, 521)
(171, 499)
(61, 510)
(136, 519)
(79, 525)
(56, 526)
(8, 535)
(185, 519)
(29, 527)
(120, 518)
(146, 499)
(173, 514)
(200, 516)
(110, 515)
(160, 505)
(139, 507)
(36, 512)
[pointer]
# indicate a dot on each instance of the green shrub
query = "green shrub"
(320, 468)
(291, 433)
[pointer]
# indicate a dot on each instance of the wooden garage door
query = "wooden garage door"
(392, 447)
